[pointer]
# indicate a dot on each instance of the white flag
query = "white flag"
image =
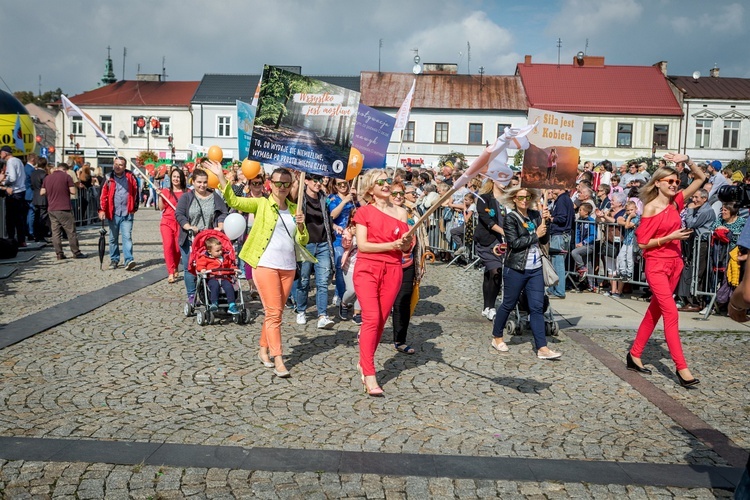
(71, 110)
(402, 117)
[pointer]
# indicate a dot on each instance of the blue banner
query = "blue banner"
(245, 121)
(372, 133)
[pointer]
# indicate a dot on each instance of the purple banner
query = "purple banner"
(372, 133)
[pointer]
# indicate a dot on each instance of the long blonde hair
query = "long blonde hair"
(649, 192)
(508, 198)
(368, 181)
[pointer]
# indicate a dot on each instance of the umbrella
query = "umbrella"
(102, 246)
(429, 257)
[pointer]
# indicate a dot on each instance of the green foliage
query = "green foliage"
(454, 159)
(518, 158)
(28, 97)
(146, 157)
(652, 164)
(742, 165)
(277, 88)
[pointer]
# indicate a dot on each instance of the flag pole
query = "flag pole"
(438, 203)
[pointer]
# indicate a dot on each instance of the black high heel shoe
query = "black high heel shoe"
(634, 367)
(687, 383)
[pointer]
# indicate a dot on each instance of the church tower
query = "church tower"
(109, 72)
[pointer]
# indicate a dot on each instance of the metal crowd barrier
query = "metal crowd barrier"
(705, 263)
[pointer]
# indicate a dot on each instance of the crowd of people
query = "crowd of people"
(612, 232)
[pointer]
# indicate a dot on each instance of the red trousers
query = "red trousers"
(170, 237)
(376, 285)
(662, 276)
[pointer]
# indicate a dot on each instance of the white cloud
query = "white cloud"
(584, 18)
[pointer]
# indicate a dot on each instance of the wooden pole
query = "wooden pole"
(148, 181)
(300, 192)
(438, 203)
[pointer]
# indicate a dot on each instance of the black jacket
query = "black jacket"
(520, 240)
(489, 212)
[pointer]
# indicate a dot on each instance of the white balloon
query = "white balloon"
(234, 226)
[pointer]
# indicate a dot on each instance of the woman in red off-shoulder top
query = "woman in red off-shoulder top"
(659, 235)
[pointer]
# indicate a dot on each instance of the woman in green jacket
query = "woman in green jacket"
(269, 250)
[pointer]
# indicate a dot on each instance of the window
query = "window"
(501, 128)
(703, 133)
(164, 126)
(408, 132)
(136, 129)
(731, 133)
(224, 127)
(624, 135)
(588, 134)
(105, 123)
(475, 133)
(441, 132)
(76, 125)
(661, 136)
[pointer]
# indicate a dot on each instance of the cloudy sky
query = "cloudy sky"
(66, 41)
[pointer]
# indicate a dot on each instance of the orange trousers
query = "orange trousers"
(274, 286)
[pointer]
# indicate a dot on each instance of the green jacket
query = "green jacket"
(266, 215)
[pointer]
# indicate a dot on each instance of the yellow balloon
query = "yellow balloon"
(356, 162)
(213, 181)
(215, 153)
(250, 168)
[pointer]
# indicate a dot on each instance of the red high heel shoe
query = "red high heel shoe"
(376, 392)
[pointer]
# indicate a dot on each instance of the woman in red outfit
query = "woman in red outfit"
(380, 230)
(170, 230)
(659, 235)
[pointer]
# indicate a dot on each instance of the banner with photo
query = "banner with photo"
(304, 124)
(551, 160)
(372, 133)
(245, 120)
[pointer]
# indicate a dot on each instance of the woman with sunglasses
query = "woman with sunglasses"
(659, 235)
(525, 231)
(168, 226)
(340, 205)
(270, 251)
(253, 188)
(413, 267)
(381, 242)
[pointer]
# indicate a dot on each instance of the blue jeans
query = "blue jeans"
(121, 224)
(532, 281)
(559, 242)
(338, 253)
(190, 279)
(322, 274)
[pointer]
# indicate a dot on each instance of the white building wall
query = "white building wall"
(717, 111)
(206, 128)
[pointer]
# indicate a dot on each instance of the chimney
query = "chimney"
(662, 65)
(714, 72)
(526, 60)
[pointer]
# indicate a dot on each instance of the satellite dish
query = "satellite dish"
(696, 75)
(122, 135)
(417, 69)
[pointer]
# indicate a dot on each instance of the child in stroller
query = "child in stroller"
(213, 261)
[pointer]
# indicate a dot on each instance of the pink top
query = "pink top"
(660, 225)
(381, 228)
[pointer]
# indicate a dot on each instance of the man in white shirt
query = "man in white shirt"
(15, 202)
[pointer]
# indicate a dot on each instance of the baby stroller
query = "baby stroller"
(518, 321)
(203, 315)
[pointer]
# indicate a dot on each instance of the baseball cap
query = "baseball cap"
(716, 164)
(6, 149)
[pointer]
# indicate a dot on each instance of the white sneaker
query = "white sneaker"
(491, 314)
(703, 311)
(485, 311)
(325, 322)
(301, 319)
(336, 300)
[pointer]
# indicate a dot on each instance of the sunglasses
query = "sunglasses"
(397, 193)
(383, 182)
(342, 184)
(410, 192)
(522, 198)
(280, 184)
(671, 182)
(316, 180)
(256, 183)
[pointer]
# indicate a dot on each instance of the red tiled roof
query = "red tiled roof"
(631, 90)
(713, 88)
(139, 93)
(443, 91)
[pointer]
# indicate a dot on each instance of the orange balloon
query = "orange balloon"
(356, 161)
(215, 153)
(213, 181)
(250, 168)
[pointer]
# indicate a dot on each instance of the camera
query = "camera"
(740, 195)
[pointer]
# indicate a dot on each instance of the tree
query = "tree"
(277, 88)
(28, 97)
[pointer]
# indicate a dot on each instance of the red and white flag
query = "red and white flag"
(71, 110)
(402, 117)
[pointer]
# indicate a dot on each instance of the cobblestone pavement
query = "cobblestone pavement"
(92, 481)
(138, 370)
